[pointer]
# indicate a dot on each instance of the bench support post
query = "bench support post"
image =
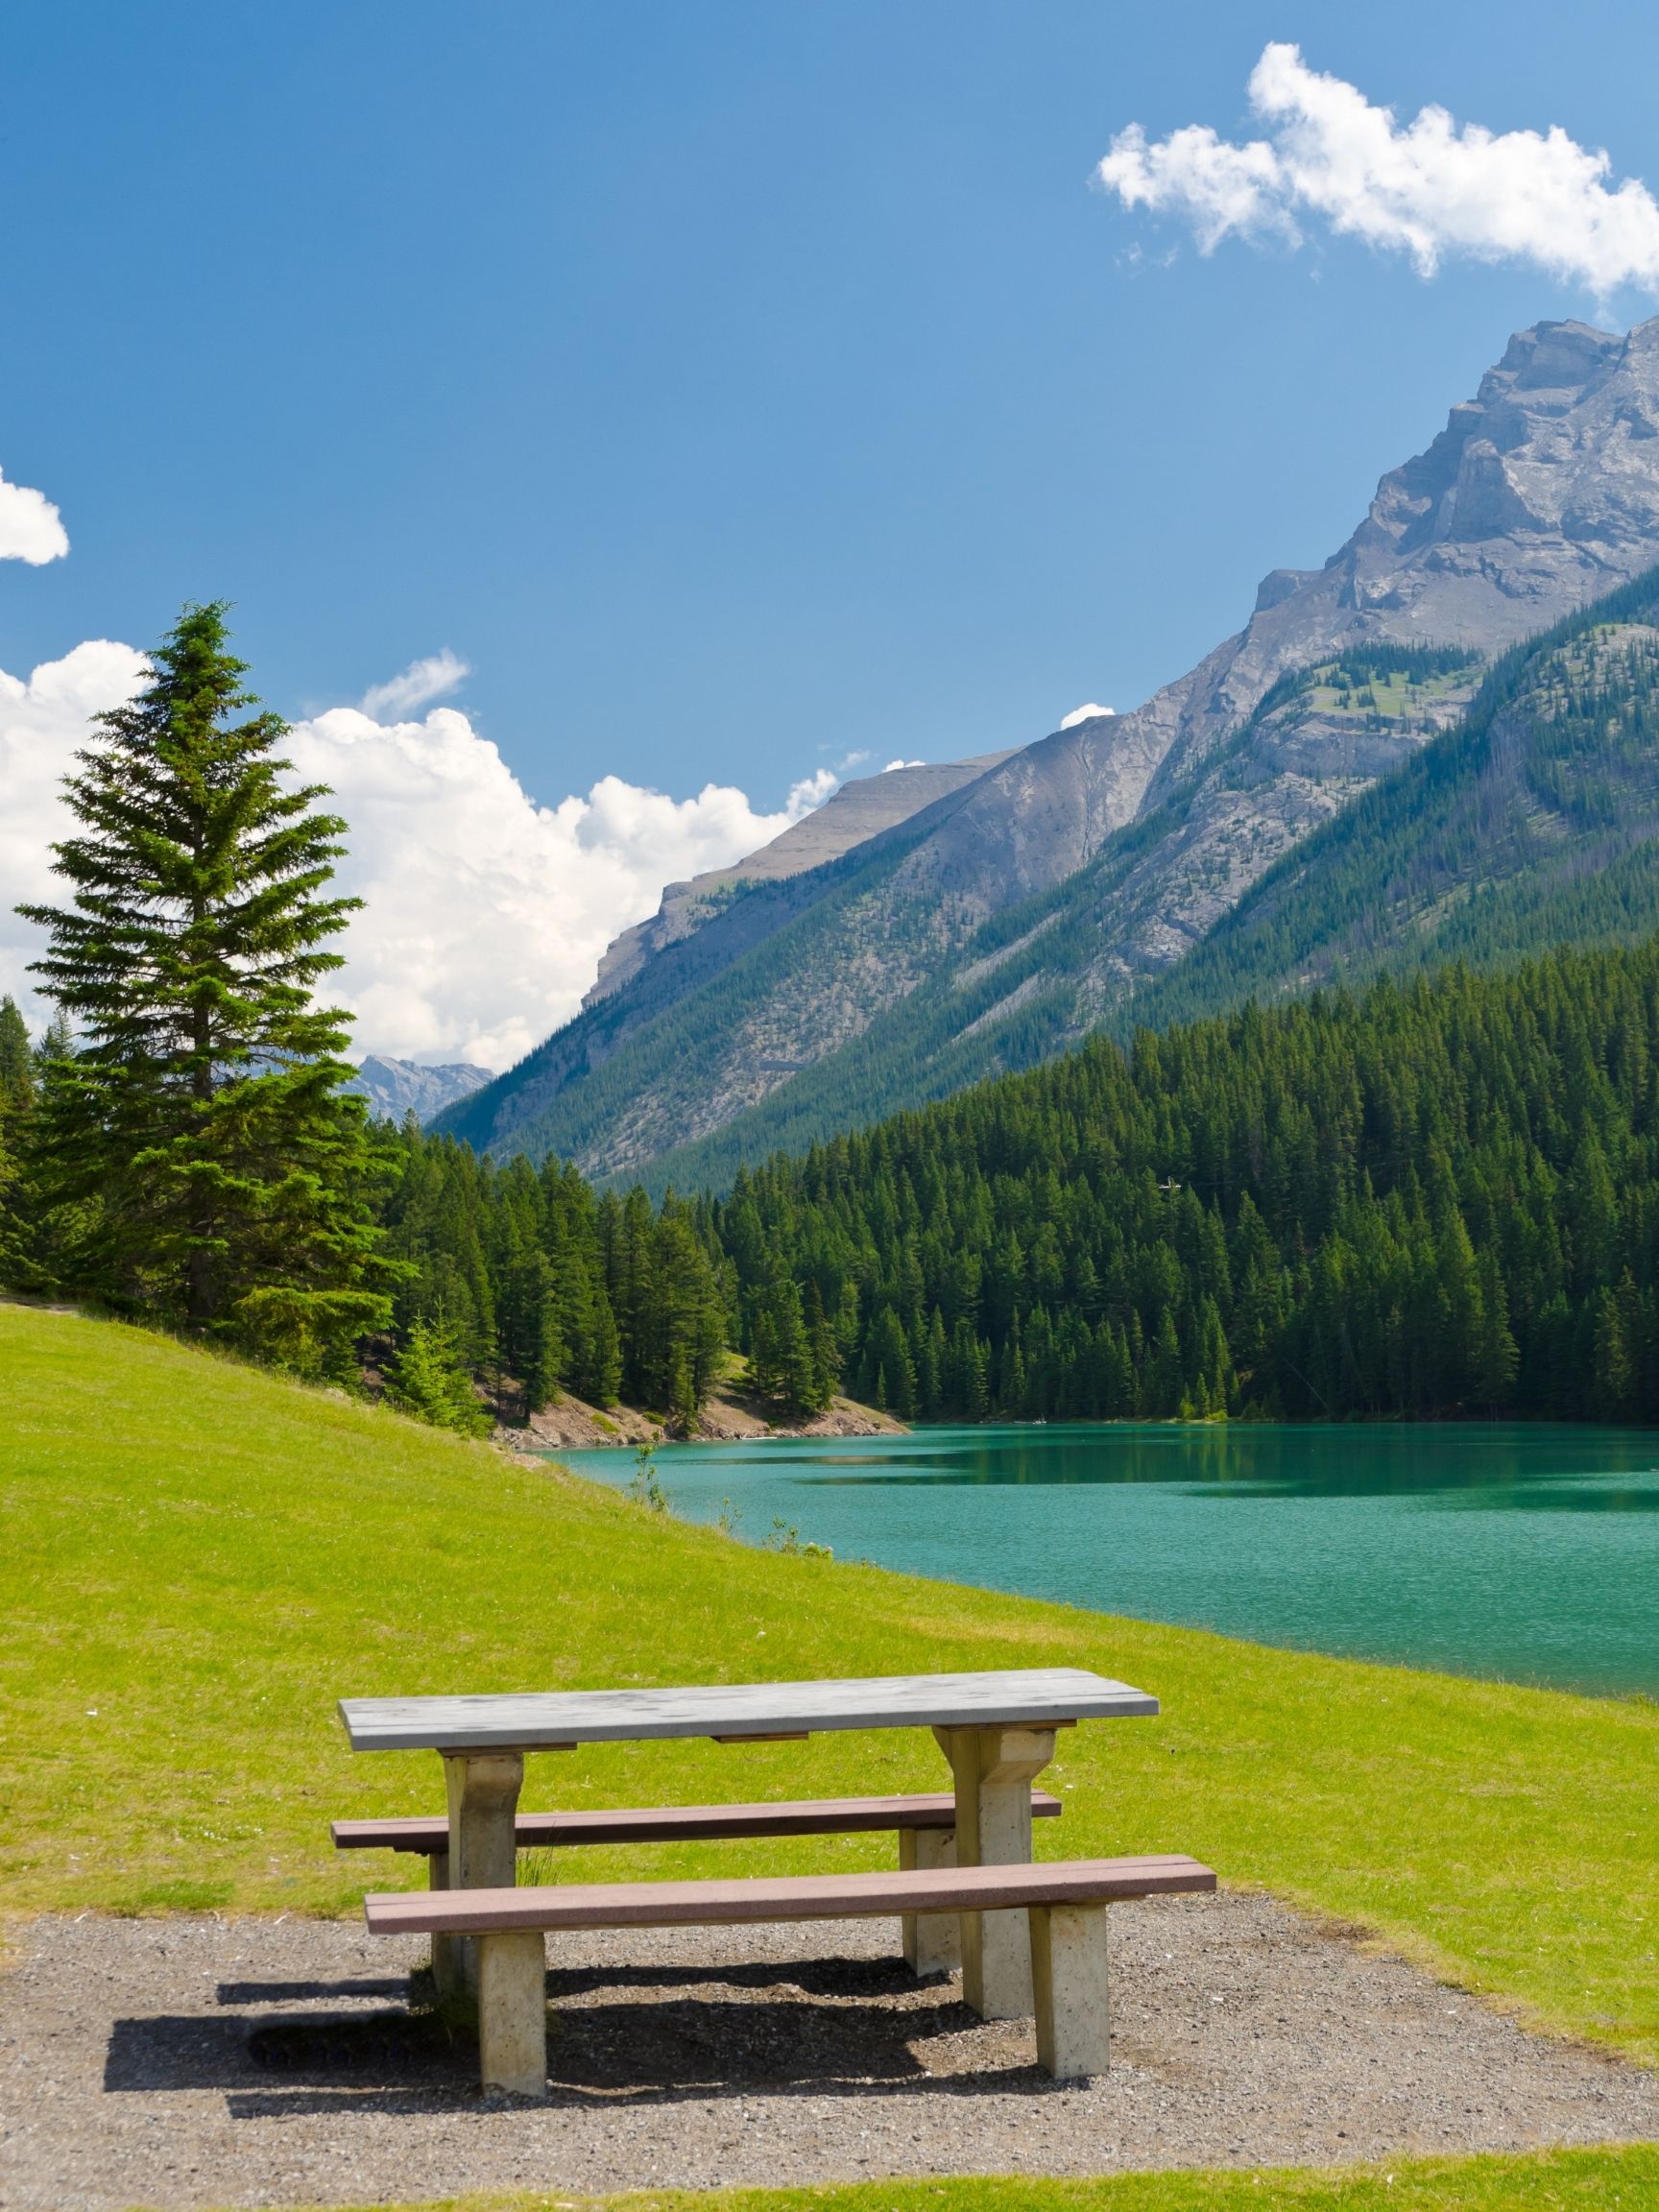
(932, 1943)
(483, 1789)
(993, 1769)
(513, 2013)
(447, 1973)
(1069, 1973)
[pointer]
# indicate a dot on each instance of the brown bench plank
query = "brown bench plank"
(688, 1823)
(798, 1897)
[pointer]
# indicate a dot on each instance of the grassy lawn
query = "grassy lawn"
(1548, 2181)
(199, 1560)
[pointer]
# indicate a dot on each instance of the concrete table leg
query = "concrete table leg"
(483, 1789)
(513, 2012)
(1069, 1971)
(933, 1941)
(994, 1769)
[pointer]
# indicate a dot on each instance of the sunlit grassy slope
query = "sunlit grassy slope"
(198, 1560)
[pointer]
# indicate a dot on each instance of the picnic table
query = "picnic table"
(996, 1730)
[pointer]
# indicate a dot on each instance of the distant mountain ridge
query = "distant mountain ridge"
(1056, 888)
(395, 1087)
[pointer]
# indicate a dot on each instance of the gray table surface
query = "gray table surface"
(534, 1721)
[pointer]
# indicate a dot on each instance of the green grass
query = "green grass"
(1547, 2181)
(1397, 695)
(198, 1559)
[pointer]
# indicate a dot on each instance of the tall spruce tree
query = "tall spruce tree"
(197, 1131)
(16, 1060)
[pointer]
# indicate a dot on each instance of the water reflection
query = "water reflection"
(1372, 1460)
(1529, 1553)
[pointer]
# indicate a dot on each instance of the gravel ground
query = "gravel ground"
(188, 2061)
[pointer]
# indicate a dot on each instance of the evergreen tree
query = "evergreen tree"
(532, 1344)
(824, 1350)
(892, 1378)
(792, 1353)
(427, 1380)
(221, 1178)
(17, 1061)
(16, 1105)
(599, 1370)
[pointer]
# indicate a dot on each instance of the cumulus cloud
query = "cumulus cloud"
(31, 527)
(486, 913)
(42, 720)
(892, 764)
(809, 792)
(1089, 713)
(419, 684)
(1431, 188)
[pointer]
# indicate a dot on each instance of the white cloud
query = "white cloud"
(486, 913)
(1089, 713)
(41, 722)
(1431, 188)
(809, 792)
(31, 527)
(418, 684)
(892, 764)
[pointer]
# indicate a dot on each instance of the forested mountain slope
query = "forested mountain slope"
(1429, 1199)
(1132, 836)
(1533, 822)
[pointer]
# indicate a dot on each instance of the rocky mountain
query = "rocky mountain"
(1534, 823)
(858, 811)
(395, 1088)
(1054, 889)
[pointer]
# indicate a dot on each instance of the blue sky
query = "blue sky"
(730, 385)
(732, 388)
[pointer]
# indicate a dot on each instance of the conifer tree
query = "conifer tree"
(17, 1061)
(16, 1100)
(199, 1126)
(599, 1371)
(427, 1380)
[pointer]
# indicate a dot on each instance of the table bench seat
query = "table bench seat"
(683, 1824)
(1065, 1900)
(926, 1823)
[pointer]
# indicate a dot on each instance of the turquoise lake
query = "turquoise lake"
(1529, 1554)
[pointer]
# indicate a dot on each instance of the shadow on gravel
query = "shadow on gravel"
(684, 2043)
(813, 1976)
(617, 2034)
(189, 2053)
(193, 2053)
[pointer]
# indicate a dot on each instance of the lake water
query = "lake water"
(1530, 1554)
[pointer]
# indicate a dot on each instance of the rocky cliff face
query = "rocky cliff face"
(1137, 831)
(859, 810)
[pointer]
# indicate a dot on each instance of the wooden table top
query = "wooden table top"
(1036, 1695)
